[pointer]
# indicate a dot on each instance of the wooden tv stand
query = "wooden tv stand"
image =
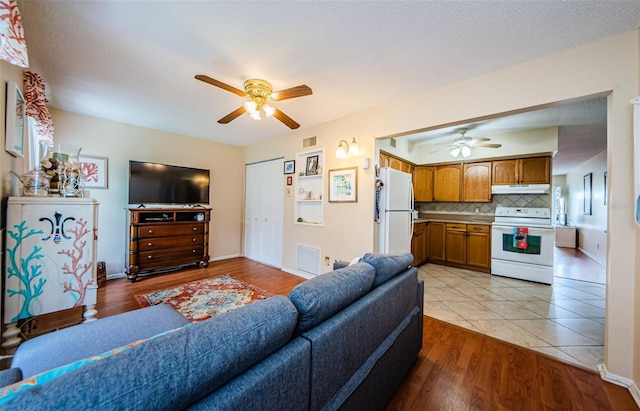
(161, 238)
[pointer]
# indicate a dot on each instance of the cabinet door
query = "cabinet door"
(447, 180)
(505, 172)
(384, 160)
(418, 244)
(477, 182)
(423, 183)
(479, 245)
(395, 163)
(455, 244)
(534, 170)
(435, 243)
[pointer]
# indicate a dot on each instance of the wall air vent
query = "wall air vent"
(308, 259)
(392, 142)
(309, 142)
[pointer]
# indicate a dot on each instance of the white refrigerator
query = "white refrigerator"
(395, 204)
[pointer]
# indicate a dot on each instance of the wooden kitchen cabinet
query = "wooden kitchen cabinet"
(447, 183)
(534, 170)
(423, 183)
(419, 244)
(387, 160)
(477, 182)
(436, 241)
(479, 245)
(455, 243)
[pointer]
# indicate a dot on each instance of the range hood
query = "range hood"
(521, 189)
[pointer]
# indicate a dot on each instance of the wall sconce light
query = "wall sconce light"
(344, 147)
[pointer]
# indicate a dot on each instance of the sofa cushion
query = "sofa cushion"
(172, 371)
(388, 265)
(14, 388)
(92, 338)
(320, 297)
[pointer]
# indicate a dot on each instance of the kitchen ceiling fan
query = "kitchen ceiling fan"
(461, 146)
(258, 94)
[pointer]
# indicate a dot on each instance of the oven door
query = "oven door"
(538, 249)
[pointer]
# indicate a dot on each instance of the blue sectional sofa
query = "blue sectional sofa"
(342, 340)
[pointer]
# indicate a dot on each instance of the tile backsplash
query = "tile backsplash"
(505, 200)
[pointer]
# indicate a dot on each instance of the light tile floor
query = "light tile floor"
(565, 320)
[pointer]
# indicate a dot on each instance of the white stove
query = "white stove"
(522, 244)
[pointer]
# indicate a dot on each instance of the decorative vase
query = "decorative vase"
(63, 166)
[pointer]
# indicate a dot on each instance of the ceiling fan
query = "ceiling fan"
(258, 94)
(461, 146)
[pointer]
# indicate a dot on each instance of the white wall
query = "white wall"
(592, 229)
(121, 143)
(608, 65)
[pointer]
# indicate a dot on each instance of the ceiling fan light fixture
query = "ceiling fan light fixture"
(268, 110)
(466, 151)
(250, 106)
(255, 115)
(455, 152)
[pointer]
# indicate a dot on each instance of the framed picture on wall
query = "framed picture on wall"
(290, 166)
(586, 189)
(343, 185)
(95, 171)
(312, 165)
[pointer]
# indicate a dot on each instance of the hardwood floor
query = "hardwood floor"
(457, 369)
(576, 265)
(118, 295)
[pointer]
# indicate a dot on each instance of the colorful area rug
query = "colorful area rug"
(201, 300)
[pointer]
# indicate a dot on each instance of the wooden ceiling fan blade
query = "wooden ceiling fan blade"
(288, 121)
(293, 92)
(220, 84)
(485, 145)
(232, 116)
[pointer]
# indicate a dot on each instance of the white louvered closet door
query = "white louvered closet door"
(264, 209)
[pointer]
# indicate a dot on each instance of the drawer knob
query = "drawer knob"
(150, 231)
(149, 244)
(193, 251)
(149, 257)
(193, 240)
(194, 229)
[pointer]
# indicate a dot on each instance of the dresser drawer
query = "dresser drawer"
(177, 256)
(161, 243)
(166, 230)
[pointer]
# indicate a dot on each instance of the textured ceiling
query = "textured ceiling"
(134, 61)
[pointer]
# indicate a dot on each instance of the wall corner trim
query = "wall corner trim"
(618, 380)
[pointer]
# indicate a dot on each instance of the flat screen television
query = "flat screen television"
(154, 183)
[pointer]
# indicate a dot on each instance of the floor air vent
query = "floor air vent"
(308, 259)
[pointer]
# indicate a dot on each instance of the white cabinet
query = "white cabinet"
(309, 189)
(50, 258)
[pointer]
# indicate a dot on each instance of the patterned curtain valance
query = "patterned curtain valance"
(13, 47)
(37, 107)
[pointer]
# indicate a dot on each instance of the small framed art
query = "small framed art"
(343, 185)
(312, 165)
(290, 166)
(95, 171)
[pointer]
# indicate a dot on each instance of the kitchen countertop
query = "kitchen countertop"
(455, 218)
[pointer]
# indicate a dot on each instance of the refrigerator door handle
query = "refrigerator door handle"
(411, 213)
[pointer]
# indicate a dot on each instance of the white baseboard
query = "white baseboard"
(224, 257)
(618, 380)
(298, 273)
(113, 276)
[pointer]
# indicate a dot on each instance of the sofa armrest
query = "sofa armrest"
(10, 376)
(64, 346)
